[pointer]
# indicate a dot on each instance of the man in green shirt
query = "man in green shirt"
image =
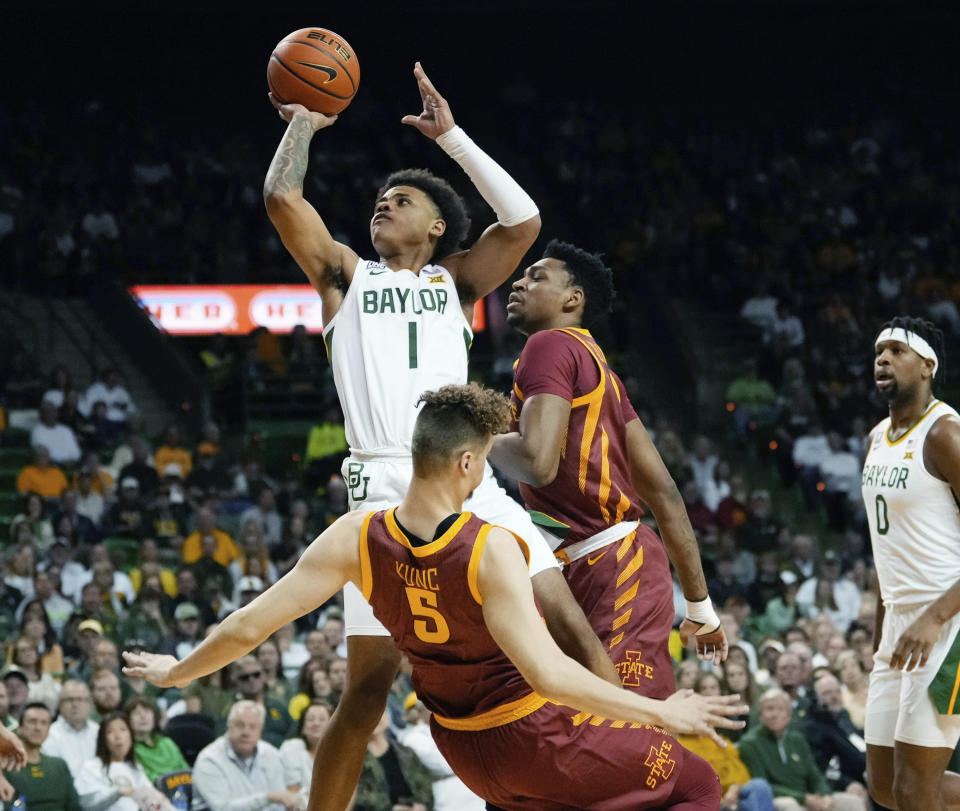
(783, 758)
(45, 781)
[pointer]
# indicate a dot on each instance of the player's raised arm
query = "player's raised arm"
(658, 491)
(328, 264)
(498, 251)
(329, 562)
(512, 619)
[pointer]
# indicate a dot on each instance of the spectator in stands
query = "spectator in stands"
(781, 755)
(265, 514)
(56, 437)
(392, 775)
(317, 645)
(752, 400)
(73, 736)
(803, 561)
(702, 462)
(239, 766)
(733, 509)
(18, 690)
(837, 745)
(299, 752)
(36, 625)
(850, 670)
(127, 518)
(700, 515)
(790, 677)
(254, 559)
(224, 549)
(313, 683)
(61, 383)
(145, 620)
(337, 674)
(208, 479)
(149, 563)
(171, 451)
(275, 686)
(82, 529)
(141, 467)
(838, 596)
(88, 633)
(109, 390)
(759, 532)
(89, 502)
(188, 591)
(34, 515)
(188, 633)
(101, 481)
(10, 600)
(155, 753)
(113, 780)
(840, 472)
(166, 520)
(738, 679)
(41, 477)
(249, 677)
(810, 450)
(105, 692)
(46, 783)
(21, 568)
(334, 631)
(41, 686)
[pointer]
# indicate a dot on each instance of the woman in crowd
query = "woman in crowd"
(298, 753)
(274, 683)
(314, 684)
(739, 680)
(849, 669)
(35, 625)
(156, 753)
(113, 780)
(687, 673)
(253, 547)
(41, 686)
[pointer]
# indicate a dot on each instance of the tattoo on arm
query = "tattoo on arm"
(289, 164)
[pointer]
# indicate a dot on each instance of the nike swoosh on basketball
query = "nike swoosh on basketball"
(331, 72)
(591, 561)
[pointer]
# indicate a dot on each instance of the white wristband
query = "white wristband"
(503, 194)
(702, 612)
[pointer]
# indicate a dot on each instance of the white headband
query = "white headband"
(911, 339)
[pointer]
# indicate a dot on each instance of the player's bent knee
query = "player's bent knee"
(912, 789)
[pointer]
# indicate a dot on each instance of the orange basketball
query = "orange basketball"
(316, 68)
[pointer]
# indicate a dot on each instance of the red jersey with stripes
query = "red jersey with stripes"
(593, 488)
(428, 599)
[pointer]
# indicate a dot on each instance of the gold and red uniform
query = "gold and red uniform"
(511, 746)
(616, 567)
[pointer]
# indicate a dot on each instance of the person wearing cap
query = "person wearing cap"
(830, 593)
(246, 590)
(167, 516)
(910, 485)
(188, 631)
(127, 517)
(18, 690)
(73, 736)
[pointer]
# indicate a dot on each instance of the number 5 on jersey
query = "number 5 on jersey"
(432, 627)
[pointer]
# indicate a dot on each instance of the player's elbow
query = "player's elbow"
(543, 470)
(277, 200)
(242, 627)
(526, 231)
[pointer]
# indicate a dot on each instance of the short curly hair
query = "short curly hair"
(452, 209)
(587, 272)
(453, 419)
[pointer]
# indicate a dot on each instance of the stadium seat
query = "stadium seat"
(191, 731)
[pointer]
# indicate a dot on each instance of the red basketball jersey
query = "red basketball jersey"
(428, 598)
(593, 488)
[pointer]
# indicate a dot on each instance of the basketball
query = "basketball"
(316, 68)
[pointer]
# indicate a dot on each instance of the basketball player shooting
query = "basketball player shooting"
(395, 327)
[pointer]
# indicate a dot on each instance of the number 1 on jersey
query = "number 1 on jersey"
(412, 340)
(423, 603)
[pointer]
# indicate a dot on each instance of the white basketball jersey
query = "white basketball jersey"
(396, 335)
(913, 516)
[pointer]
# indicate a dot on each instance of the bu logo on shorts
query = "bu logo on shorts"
(356, 481)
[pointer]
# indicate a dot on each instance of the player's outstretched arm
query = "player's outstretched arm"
(512, 619)
(498, 251)
(329, 562)
(941, 457)
(532, 453)
(659, 492)
(327, 263)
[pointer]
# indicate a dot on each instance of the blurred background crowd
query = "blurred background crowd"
(760, 227)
